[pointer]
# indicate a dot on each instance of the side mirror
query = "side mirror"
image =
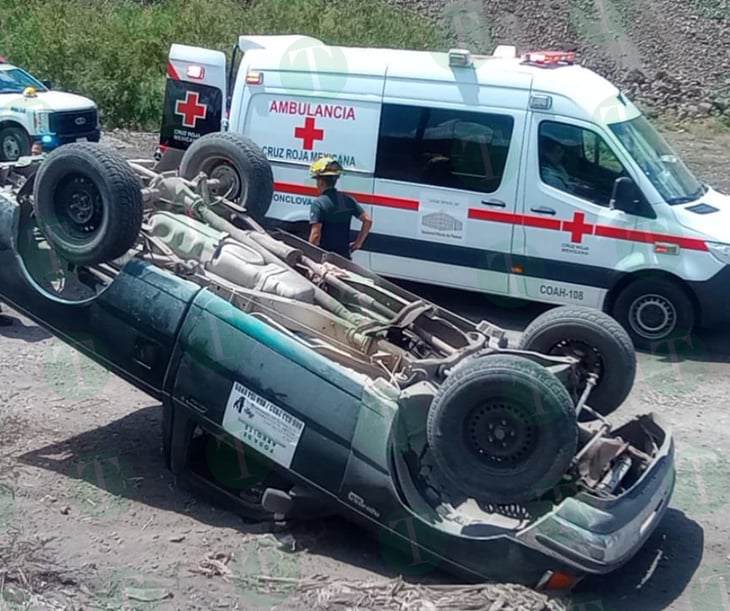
(625, 194)
(47, 84)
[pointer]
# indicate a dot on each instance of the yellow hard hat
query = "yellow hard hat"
(325, 166)
(29, 92)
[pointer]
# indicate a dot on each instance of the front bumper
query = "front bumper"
(596, 536)
(712, 296)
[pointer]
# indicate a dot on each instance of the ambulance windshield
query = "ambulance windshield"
(669, 175)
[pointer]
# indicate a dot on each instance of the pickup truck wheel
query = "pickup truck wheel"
(14, 143)
(500, 430)
(88, 203)
(599, 341)
(654, 312)
(241, 166)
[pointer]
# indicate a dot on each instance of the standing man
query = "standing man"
(330, 213)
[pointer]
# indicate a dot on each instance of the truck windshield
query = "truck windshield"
(14, 80)
(666, 171)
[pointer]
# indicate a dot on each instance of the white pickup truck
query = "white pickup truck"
(30, 111)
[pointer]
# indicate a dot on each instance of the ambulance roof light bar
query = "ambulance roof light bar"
(549, 58)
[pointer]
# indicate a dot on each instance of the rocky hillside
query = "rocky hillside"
(670, 55)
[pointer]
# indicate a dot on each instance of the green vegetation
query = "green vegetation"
(115, 51)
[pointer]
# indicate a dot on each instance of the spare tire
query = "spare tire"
(88, 203)
(599, 341)
(501, 429)
(239, 164)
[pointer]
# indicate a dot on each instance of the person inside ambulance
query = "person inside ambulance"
(552, 170)
(553, 144)
(331, 213)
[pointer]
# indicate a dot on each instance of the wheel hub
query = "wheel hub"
(500, 434)
(589, 358)
(79, 204)
(652, 316)
(229, 183)
(11, 148)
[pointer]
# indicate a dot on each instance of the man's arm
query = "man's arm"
(367, 223)
(315, 222)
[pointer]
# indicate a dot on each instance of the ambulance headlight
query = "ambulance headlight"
(721, 252)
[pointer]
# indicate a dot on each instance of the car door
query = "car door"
(447, 178)
(568, 236)
(268, 391)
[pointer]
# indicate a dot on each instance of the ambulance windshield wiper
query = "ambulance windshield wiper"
(685, 199)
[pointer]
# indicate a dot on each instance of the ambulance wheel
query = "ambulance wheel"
(654, 311)
(88, 203)
(239, 164)
(600, 343)
(14, 143)
(490, 438)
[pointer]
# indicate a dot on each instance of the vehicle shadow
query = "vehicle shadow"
(124, 459)
(705, 345)
(21, 328)
(654, 578)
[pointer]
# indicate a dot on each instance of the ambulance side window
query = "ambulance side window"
(578, 161)
(443, 147)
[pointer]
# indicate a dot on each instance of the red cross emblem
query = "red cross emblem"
(578, 227)
(308, 133)
(191, 109)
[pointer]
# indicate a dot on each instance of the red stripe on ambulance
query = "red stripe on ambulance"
(364, 198)
(576, 226)
(635, 235)
(172, 72)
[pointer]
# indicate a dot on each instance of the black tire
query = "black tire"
(601, 343)
(88, 203)
(488, 392)
(654, 311)
(14, 143)
(241, 165)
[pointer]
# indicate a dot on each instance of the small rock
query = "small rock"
(65, 510)
(177, 538)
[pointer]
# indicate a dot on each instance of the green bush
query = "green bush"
(115, 51)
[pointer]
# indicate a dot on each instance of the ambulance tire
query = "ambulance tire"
(668, 299)
(601, 343)
(240, 163)
(491, 440)
(88, 203)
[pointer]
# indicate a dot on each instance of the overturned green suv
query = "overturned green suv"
(345, 394)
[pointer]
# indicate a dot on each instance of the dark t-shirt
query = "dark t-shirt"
(335, 209)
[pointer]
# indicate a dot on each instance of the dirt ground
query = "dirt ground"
(90, 517)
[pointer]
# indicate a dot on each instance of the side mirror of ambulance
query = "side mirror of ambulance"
(625, 194)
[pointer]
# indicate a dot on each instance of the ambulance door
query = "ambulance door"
(446, 188)
(574, 246)
(195, 94)
(310, 110)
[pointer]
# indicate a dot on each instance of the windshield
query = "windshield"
(14, 80)
(668, 174)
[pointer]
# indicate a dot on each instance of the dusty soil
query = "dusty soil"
(90, 517)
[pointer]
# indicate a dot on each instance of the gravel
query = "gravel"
(668, 56)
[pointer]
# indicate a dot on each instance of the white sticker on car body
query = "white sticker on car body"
(262, 425)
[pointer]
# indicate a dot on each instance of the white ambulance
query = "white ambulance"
(30, 111)
(525, 176)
